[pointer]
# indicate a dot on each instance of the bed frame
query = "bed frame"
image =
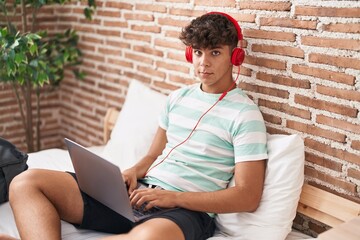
(315, 203)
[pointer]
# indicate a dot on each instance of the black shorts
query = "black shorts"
(194, 225)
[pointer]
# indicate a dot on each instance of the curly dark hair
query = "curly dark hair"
(209, 31)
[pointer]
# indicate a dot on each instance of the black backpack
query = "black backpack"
(12, 162)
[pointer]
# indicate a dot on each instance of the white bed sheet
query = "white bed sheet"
(59, 159)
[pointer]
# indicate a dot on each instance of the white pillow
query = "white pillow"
(283, 182)
(136, 125)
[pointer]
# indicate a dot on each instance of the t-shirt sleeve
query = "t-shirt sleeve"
(249, 136)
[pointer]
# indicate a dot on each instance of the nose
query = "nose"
(204, 60)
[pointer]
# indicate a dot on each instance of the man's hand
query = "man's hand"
(130, 179)
(154, 197)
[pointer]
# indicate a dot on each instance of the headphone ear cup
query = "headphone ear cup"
(188, 54)
(237, 56)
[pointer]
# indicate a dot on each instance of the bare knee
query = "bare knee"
(22, 183)
(143, 233)
(155, 229)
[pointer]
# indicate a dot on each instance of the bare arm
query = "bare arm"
(245, 196)
(139, 170)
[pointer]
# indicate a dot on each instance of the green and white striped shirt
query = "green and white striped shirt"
(233, 131)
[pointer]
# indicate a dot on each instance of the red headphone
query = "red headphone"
(238, 54)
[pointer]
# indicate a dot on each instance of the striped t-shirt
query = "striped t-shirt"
(233, 131)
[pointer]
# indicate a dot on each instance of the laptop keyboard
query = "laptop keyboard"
(140, 212)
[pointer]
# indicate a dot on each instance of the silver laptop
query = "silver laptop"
(103, 181)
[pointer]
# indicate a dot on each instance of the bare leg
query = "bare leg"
(154, 229)
(40, 198)
(6, 237)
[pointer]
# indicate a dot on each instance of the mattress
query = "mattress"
(59, 159)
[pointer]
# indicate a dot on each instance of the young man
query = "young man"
(208, 133)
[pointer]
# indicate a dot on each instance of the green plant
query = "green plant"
(31, 60)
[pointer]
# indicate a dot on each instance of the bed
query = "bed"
(127, 136)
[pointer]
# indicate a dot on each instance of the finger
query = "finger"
(132, 185)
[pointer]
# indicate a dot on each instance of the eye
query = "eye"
(215, 53)
(197, 52)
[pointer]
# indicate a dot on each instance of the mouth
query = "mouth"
(205, 73)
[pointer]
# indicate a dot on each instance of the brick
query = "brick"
(83, 29)
(283, 80)
(85, 47)
(285, 108)
(173, 67)
(324, 105)
(346, 62)
(140, 17)
(107, 13)
(339, 124)
(138, 77)
(272, 130)
(152, 71)
(273, 35)
(324, 162)
(186, 12)
(142, 28)
(109, 69)
(272, 119)
(280, 50)
(316, 227)
(92, 22)
(171, 34)
(174, 1)
(111, 33)
(327, 11)
(222, 3)
(172, 22)
(151, 8)
(264, 90)
(110, 51)
(244, 71)
(265, 62)
(176, 56)
(339, 43)
(355, 145)
(354, 173)
(138, 37)
(92, 39)
(182, 80)
(352, 95)
(119, 5)
(121, 62)
(117, 44)
(116, 23)
(168, 44)
(164, 85)
(242, 17)
(316, 131)
(338, 182)
(262, 5)
(324, 74)
(342, 27)
(148, 50)
(93, 57)
(289, 23)
(333, 152)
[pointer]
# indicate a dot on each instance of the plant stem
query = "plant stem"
(33, 24)
(38, 118)
(26, 89)
(18, 99)
(23, 16)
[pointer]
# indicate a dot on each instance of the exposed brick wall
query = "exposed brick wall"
(302, 68)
